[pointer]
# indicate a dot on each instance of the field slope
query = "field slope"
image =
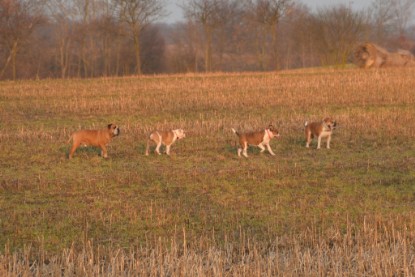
(348, 210)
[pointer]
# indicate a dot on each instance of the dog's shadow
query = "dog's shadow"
(231, 148)
(141, 149)
(280, 147)
(91, 151)
(296, 142)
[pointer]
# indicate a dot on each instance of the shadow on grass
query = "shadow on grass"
(82, 151)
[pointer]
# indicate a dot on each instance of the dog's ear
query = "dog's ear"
(109, 126)
(270, 126)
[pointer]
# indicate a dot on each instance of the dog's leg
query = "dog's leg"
(262, 147)
(148, 147)
(318, 142)
(328, 141)
(159, 142)
(308, 138)
(245, 153)
(241, 147)
(168, 149)
(270, 150)
(104, 151)
(158, 148)
(75, 145)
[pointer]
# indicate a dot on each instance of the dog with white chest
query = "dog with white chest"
(320, 130)
(166, 138)
(260, 139)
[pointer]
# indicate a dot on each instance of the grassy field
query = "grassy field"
(204, 211)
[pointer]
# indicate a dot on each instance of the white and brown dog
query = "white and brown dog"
(166, 138)
(320, 130)
(258, 138)
(98, 138)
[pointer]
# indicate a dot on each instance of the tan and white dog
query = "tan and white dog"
(257, 138)
(98, 138)
(320, 130)
(166, 138)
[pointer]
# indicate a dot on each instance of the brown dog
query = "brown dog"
(166, 138)
(258, 138)
(98, 138)
(320, 130)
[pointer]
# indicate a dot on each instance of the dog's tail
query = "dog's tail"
(235, 132)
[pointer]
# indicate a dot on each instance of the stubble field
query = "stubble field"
(203, 211)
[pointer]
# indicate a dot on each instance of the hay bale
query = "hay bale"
(370, 55)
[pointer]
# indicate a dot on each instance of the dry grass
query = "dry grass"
(375, 248)
(347, 211)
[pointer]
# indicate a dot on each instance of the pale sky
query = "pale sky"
(175, 12)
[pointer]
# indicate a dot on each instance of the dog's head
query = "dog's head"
(329, 123)
(273, 131)
(179, 133)
(113, 129)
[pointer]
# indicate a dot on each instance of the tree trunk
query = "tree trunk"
(137, 52)
(106, 56)
(275, 57)
(14, 54)
(117, 62)
(260, 43)
(208, 48)
(13, 51)
(12, 58)
(64, 57)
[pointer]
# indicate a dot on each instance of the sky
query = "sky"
(175, 13)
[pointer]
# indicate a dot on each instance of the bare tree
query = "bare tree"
(110, 34)
(266, 14)
(382, 19)
(62, 14)
(402, 11)
(183, 55)
(390, 18)
(18, 19)
(297, 49)
(75, 23)
(337, 32)
(211, 14)
(138, 14)
(225, 39)
(153, 48)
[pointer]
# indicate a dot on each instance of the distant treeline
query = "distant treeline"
(92, 38)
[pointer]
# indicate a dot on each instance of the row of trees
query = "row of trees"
(89, 38)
